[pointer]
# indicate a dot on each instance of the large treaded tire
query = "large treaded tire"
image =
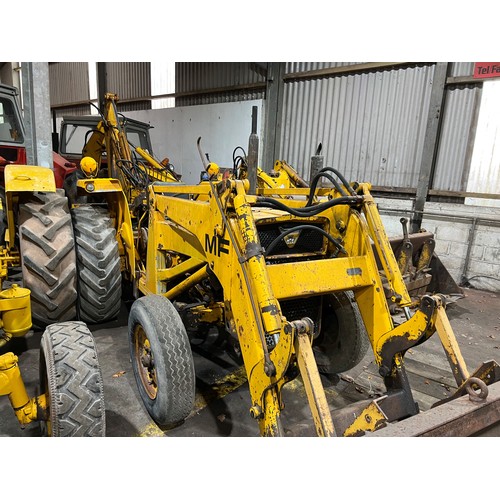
(69, 186)
(343, 341)
(98, 261)
(162, 360)
(71, 378)
(48, 257)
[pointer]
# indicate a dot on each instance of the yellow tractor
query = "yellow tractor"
(108, 207)
(38, 291)
(38, 285)
(289, 277)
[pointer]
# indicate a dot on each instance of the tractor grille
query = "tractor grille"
(294, 309)
(307, 241)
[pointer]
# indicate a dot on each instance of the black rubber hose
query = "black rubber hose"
(341, 177)
(308, 211)
(315, 182)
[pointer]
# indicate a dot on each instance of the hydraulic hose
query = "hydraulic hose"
(315, 183)
(308, 211)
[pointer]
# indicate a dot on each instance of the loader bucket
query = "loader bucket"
(442, 281)
(422, 269)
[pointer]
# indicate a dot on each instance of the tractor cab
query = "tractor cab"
(12, 135)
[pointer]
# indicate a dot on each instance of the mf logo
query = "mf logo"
(216, 244)
(290, 238)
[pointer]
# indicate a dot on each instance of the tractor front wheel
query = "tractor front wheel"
(162, 360)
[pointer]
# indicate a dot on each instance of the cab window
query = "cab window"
(10, 131)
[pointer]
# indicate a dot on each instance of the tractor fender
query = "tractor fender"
(112, 190)
(29, 178)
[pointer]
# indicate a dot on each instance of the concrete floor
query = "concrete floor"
(222, 399)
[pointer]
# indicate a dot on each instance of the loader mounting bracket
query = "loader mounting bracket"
(407, 335)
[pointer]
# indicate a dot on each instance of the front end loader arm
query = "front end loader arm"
(225, 245)
(293, 339)
(398, 291)
(211, 233)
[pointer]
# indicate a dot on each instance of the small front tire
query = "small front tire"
(70, 378)
(162, 360)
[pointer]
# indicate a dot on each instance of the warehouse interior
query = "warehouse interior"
(424, 137)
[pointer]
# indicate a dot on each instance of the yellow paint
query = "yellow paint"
(370, 419)
(89, 166)
(12, 385)
(212, 232)
(313, 386)
(152, 430)
(220, 389)
(21, 178)
(15, 307)
(450, 345)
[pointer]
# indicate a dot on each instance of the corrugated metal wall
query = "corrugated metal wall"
(296, 67)
(196, 77)
(131, 81)
(69, 83)
(371, 122)
(457, 134)
(462, 69)
(371, 125)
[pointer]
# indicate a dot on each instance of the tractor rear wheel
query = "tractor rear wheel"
(71, 379)
(162, 360)
(98, 261)
(48, 257)
(342, 342)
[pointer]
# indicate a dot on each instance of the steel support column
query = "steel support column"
(102, 83)
(253, 153)
(430, 143)
(273, 114)
(36, 99)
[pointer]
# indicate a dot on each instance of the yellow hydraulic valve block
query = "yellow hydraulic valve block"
(15, 309)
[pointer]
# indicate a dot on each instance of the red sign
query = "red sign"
(487, 70)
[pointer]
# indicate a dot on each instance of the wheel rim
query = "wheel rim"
(145, 362)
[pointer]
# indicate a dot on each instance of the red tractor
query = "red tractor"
(13, 137)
